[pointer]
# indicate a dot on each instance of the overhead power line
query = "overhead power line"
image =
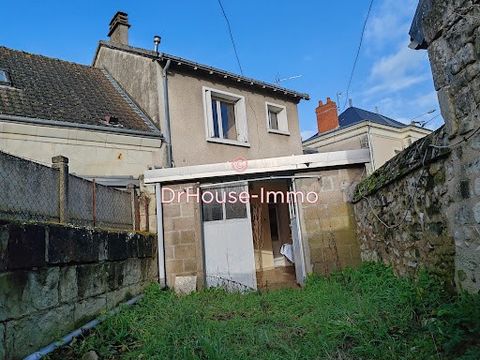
(231, 36)
(358, 52)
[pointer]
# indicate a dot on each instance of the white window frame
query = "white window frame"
(281, 117)
(240, 117)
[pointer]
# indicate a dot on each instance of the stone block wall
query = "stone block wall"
(182, 236)
(452, 35)
(328, 227)
(402, 210)
(55, 278)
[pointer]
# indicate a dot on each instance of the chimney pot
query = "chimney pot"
(327, 116)
(118, 28)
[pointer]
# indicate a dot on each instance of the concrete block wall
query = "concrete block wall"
(182, 236)
(55, 278)
(329, 227)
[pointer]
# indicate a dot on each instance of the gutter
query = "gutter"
(67, 339)
(37, 121)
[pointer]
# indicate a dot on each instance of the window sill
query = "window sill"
(279, 132)
(228, 142)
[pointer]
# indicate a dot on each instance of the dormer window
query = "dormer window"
(5, 78)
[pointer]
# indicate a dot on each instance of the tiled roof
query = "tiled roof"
(180, 63)
(68, 93)
(354, 115)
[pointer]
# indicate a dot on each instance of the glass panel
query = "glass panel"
(228, 121)
(273, 119)
(235, 209)
(216, 132)
(212, 210)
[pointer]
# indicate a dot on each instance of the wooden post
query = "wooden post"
(61, 164)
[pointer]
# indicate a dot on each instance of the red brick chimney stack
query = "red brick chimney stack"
(327, 116)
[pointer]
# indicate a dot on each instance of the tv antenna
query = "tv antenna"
(278, 79)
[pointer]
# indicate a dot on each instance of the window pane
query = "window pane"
(235, 209)
(273, 120)
(216, 132)
(213, 210)
(228, 121)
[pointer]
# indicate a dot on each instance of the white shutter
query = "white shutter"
(209, 113)
(241, 120)
(282, 120)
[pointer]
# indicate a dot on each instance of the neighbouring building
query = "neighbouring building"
(356, 128)
(50, 107)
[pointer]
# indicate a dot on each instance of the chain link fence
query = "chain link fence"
(30, 191)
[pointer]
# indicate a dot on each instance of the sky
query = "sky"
(314, 39)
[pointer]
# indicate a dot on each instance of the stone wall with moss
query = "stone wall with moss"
(401, 210)
(55, 278)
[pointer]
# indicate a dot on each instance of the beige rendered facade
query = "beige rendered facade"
(91, 153)
(384, 142)
(141, 75)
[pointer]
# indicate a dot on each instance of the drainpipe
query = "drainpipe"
(167, 133)
(370, 148)
(67, 339)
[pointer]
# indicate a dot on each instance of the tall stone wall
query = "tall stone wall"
(441, 230)
(55, 278)
(452, 34)
(402, 210)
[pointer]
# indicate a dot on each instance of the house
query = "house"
(207, 115)
(229, 134)
(356, 128)
(50, 107)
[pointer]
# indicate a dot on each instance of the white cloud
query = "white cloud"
(397, 71)
(390, 21)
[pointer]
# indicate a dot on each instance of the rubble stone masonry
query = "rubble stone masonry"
(442, 224)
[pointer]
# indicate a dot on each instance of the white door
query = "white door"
(298, 257)
(228, 240)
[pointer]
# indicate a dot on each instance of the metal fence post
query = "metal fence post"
(131, 189)
(61, 164)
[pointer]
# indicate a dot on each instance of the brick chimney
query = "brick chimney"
(119, 25)
(327, 116)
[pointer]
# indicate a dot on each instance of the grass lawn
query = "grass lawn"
(366, 313)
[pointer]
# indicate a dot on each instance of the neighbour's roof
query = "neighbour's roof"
(65, 93)
(180, 63)
(354, 115)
